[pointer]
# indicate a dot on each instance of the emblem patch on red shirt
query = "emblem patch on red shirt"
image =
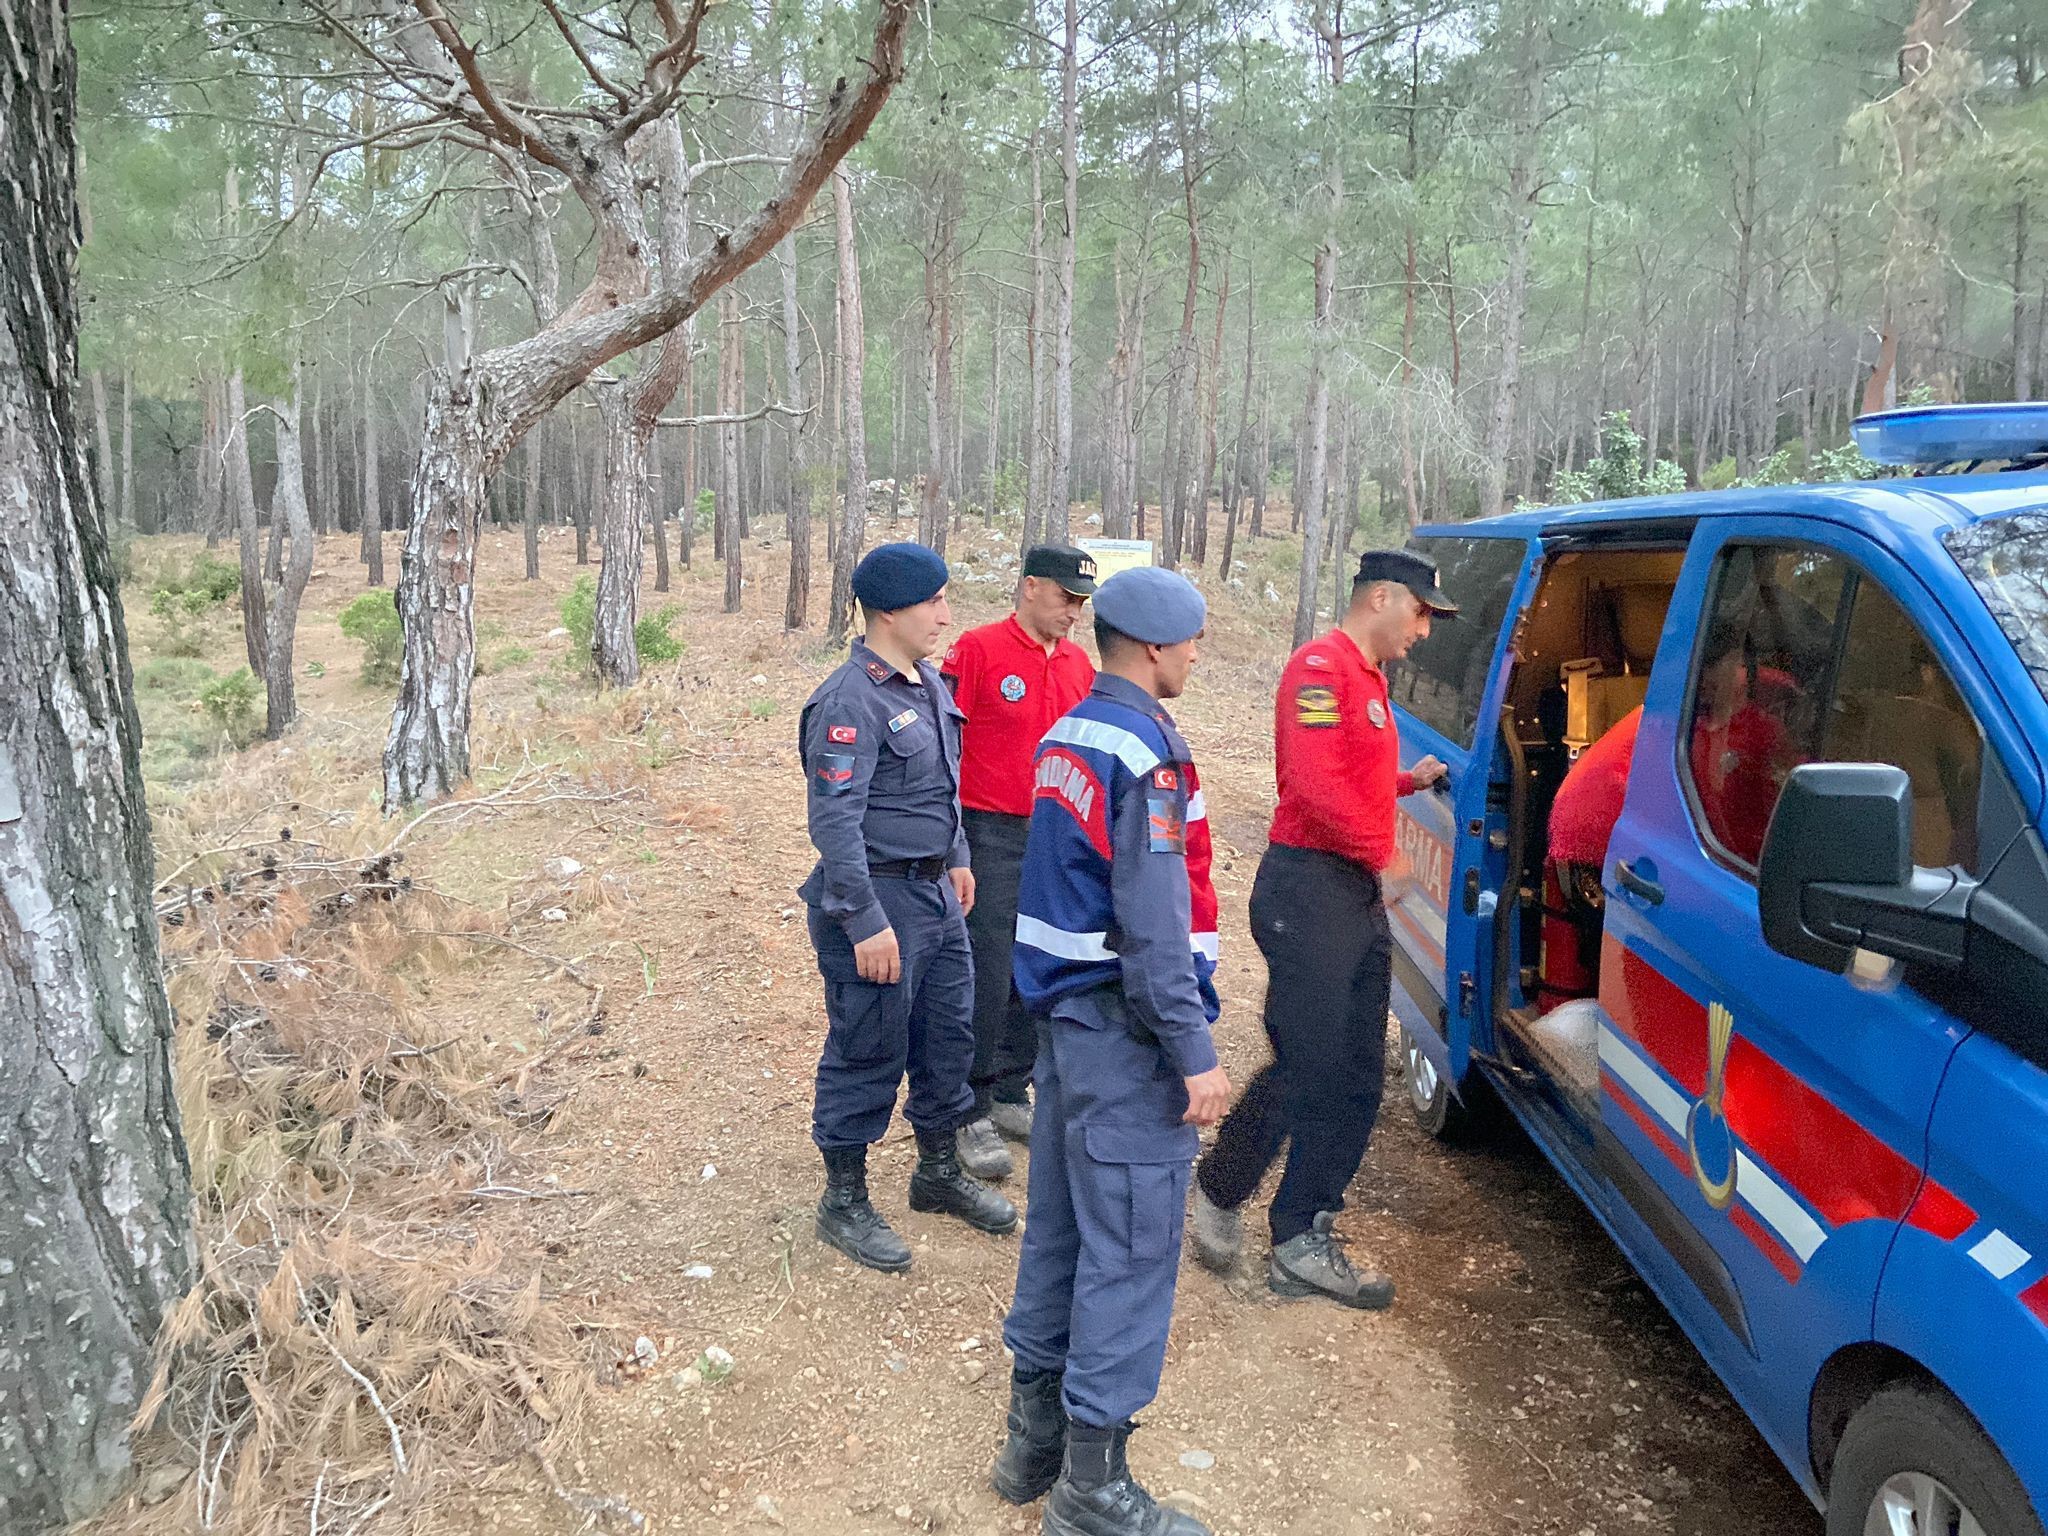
(1315, 659)
(1315, 706)
(1376, 712)
(1165, 778)
(842, 735)
(1013, 687)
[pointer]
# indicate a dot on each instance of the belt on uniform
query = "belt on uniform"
(909, 869)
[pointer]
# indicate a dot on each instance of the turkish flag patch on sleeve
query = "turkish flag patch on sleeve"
(842, 735)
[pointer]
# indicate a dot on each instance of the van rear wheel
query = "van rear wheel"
(1437, 1109)
(1912, 1462)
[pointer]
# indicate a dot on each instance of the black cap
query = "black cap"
(1073, 569)
(1411, 570)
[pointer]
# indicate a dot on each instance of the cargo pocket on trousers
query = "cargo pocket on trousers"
(860, 1030)
(1153, 1164)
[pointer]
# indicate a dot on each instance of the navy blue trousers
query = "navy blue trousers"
(1110, 1159)
(1005, 1036)
(922, 1025)
(1319, 923)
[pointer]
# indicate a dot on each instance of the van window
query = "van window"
(1443, 679)
(1804, 658)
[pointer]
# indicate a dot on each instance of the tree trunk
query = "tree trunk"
(427, 756)
(995, 405)
(242, 488)
(1035, 363)
(1265, 462)
(1311, 485)
(535, 458)
(853, 514)
(95, 1196)
(103, 478)
(1521, 211)
(2022, 359)
(1235, 490)
(796, 601)
(933, 511)
(288, 506)
(1198, 539)
(733, 532)
(612, 650)
(1119, 484)
(373, 481)
(1060, 490)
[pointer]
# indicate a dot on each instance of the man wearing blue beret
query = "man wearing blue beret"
(1116, 920)
(880, 741)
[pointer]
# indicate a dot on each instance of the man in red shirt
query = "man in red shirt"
(1320, 921)
(1012, 679)
(1582, 821)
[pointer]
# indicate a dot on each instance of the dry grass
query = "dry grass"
(356, 1339)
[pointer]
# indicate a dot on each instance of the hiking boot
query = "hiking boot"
(847, 1221)
(1219, 1233)
(1314, 1264)
(1097, 1496)
(981, 1150)
(1029, 1462)
(938, 1184)
(1011, 1120)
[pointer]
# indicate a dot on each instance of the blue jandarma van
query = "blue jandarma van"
(1790, 1039)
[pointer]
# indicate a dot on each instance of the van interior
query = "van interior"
(1583, 656)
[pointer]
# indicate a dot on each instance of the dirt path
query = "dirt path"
(1525, 1381)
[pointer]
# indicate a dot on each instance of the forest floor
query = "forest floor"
(1525, 1380)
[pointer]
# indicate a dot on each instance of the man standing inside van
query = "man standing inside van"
(1320, 920)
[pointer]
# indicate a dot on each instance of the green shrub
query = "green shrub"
(653, 633)
(1720, 476)
(230, 703)
(183, 615)
(511, 656)
(579, 617)
(372, 621)
(216, 578)
(706, 509)
(1845, 463)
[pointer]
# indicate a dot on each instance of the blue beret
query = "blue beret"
(1152, 604)
(892, 576)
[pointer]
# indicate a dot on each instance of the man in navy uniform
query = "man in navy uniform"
(881, 750)
(1113, 956)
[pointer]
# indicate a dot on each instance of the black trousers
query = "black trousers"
(1320, 924)
(1005, 1038)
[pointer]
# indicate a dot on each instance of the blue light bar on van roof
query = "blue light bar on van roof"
(1952, 434)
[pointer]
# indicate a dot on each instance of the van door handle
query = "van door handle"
(1637, 885)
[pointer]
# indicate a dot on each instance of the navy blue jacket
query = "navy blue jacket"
(1115, 887)
(881, 761)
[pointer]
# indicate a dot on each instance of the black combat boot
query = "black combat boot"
(1029, 1462)
(938, 1184)
(847, 1222)
(1097, 1496)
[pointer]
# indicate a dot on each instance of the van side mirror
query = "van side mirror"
(1837, 873)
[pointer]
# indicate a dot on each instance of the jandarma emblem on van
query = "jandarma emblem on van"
(1708, 1136)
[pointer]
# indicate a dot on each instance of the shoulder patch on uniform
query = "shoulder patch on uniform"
(1167, 831)
(1315, 659)
(903, 721)
(1165, 778)
(1315, 706)
(835, 772)
(842, 735)
(879, 671)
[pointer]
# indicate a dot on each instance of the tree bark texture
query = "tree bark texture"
(534, 460)
(288, 507)
(612, 649)
(95, 1196)
(853, 512)
(933, 508)
(796, 598)
(1311, 482)
(731, 525)
(1035, 362)
(373, 475)
(480, 407)
(242, 488)
(1526, 133)
(1060, 482)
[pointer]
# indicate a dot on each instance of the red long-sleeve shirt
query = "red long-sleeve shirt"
(1336, 754)
(1011, 690)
